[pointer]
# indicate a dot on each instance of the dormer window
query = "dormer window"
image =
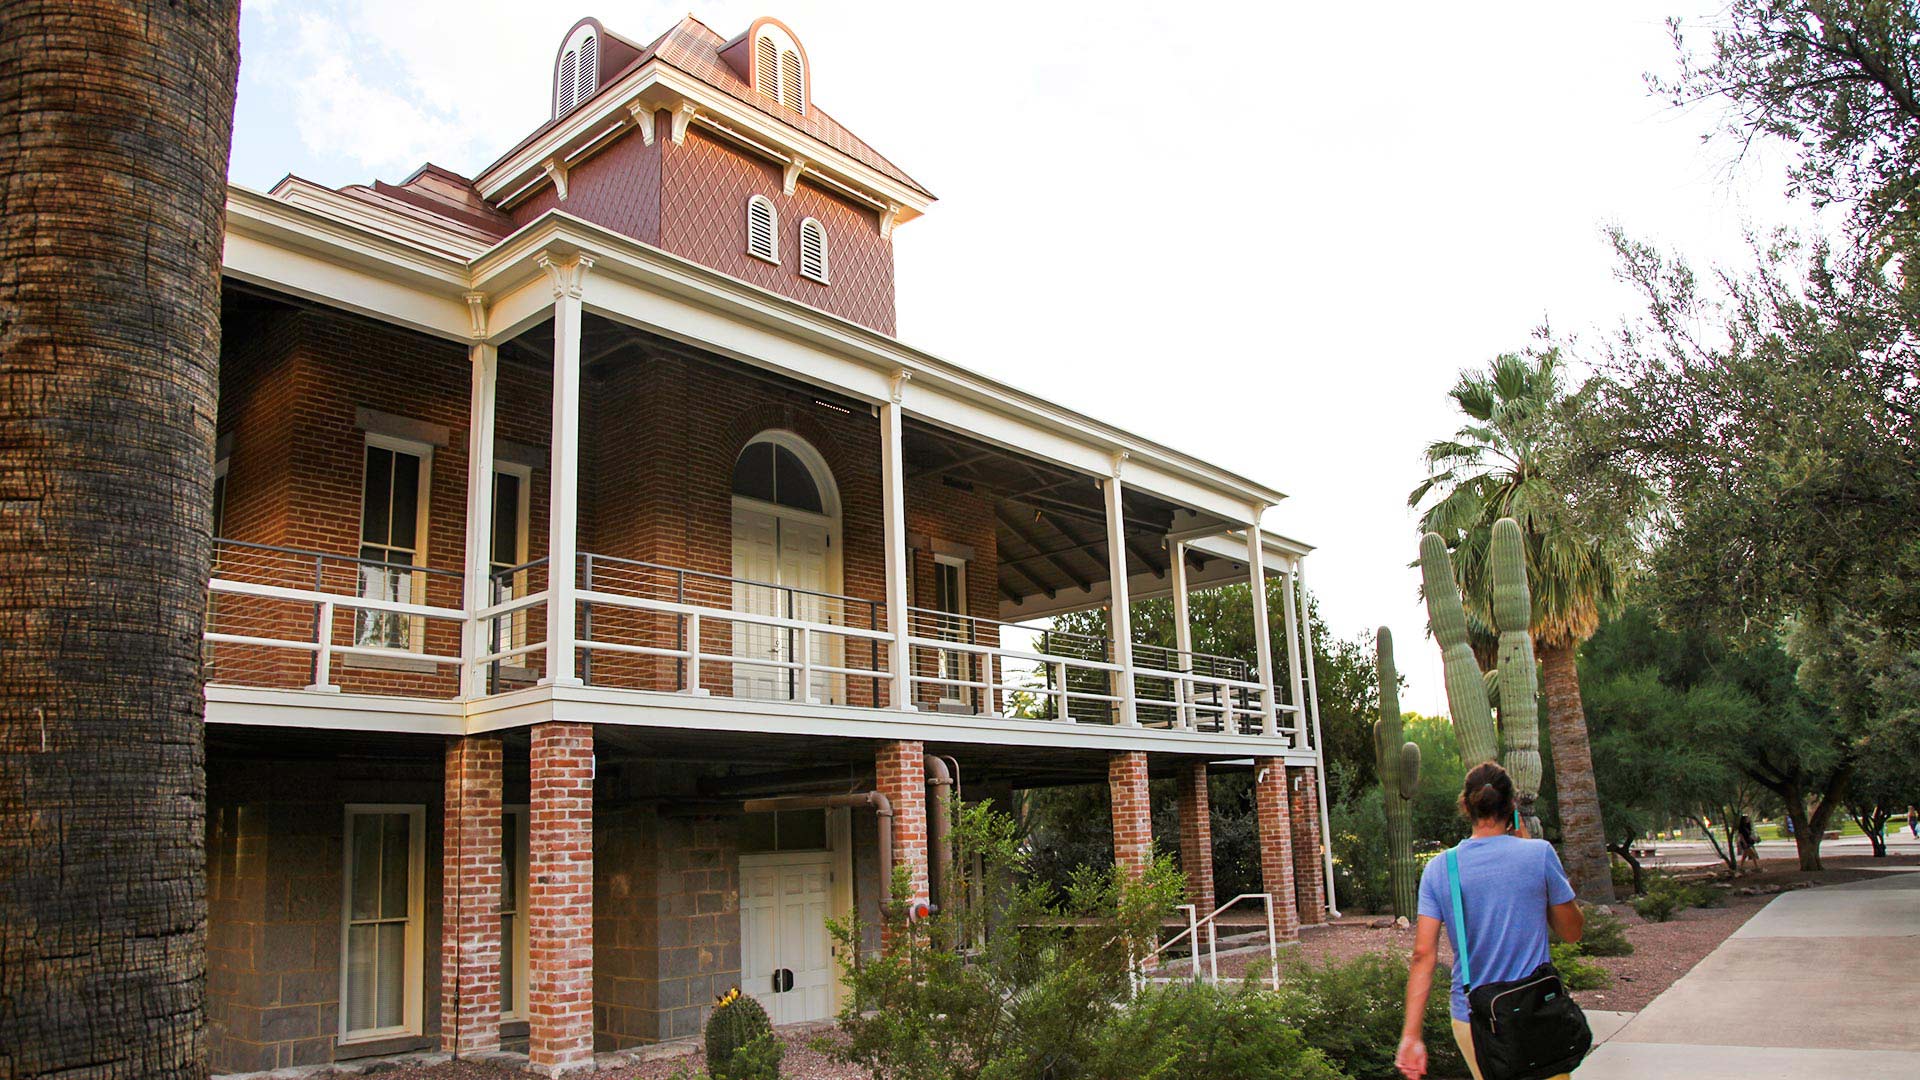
(763, 229)
(779, 71)
(577, 75)
(813, 251)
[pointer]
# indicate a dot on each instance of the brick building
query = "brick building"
(605, 596)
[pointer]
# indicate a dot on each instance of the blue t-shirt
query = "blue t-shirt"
(1506, 886)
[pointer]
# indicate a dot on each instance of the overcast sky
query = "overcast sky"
(1269, 235)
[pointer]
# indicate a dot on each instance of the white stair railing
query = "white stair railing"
(1197, 923)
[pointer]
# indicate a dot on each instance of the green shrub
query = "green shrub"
(740, 1040)
(1622, 877)
(1576, 971)
(1351, 1012)
(1606, 935)
(1658, 905)
(1701, 894)
(1188, 1032)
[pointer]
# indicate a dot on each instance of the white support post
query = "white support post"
(1319, 750)
(563, 529)
(485, 359)
(1183, 636)
(1299, 696)
(1119, 617)
(323, 649)
(893, 507)
(1262, 630)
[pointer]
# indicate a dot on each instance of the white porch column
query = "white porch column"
(1183, 631)
(1319, 750)
(1298, 695)
(1262, 630)
(485, 359)
(1119, 615)
(893, 507)
(564, 469)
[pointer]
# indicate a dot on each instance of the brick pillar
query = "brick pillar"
(1132, 813)
(899, 773)
(1309, 867)
(470, 882)
(560, 898)
(1196, 836)
(1276, 842)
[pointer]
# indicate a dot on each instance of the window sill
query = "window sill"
(399, 661)
(381, 1045)
(775, 261)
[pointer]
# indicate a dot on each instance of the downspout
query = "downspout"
(939, 796)
(882, 808)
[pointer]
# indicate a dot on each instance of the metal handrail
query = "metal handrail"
(1196, 924)
(409, 568)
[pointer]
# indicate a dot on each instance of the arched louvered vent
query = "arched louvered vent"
(577, 74)
(813, 251)
(568, 66)
(767, 68)
(790, 90)
(763, 230)
(589, 69)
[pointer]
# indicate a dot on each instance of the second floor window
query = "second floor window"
(763, 229)
(392, 531)
(813, 251)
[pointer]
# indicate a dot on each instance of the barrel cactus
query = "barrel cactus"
(740, 1040)
(1518, 704)
(1398, 763)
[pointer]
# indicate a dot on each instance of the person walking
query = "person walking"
(1515, 892)
(1749, 842)
(1913, 821)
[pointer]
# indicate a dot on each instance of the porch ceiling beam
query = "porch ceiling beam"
(1026, 537)
(1038, 585)
(1084, 545)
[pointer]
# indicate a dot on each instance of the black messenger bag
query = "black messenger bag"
(1523, 1029)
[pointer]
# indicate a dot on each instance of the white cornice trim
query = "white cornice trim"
(293, 191)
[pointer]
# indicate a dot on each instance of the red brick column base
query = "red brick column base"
(1309, 865)
(1276, 842)
(899, 773)
(1132, 813)
(1196, 836)
(560, 898)
(470, 874)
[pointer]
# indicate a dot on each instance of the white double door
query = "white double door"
(784, 565)
(786, 959)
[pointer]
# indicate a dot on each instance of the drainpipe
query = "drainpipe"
(878, 802)
(940, 790)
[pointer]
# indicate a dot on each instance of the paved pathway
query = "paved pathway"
(1805, 990)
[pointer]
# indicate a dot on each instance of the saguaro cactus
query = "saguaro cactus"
(1466, 687)
(1398, 763)
(1519, 707)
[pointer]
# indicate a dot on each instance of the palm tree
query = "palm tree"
(1503, 462)
(115, 122)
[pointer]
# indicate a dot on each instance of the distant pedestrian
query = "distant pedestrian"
(1913, 821)
(1749, 843)
(1514, 891)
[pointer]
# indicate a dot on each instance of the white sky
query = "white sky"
(1269, 235)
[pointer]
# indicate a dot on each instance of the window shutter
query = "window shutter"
(767, 77)
(790, 90)
(813, 251)
(568, 64)
(762, 237)
(589, 80)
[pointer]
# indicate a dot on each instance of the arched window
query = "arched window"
(577, 75)
(772, 472)
(813, 251)
(778, 70)
(763, 229)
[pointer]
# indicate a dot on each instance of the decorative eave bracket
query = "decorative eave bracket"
(557, 172)
(568, 275)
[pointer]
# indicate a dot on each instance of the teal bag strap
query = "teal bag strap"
(1459, 918)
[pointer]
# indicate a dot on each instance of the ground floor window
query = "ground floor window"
(381, 943)
(513, 914)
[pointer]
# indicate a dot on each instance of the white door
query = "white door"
(786, 959)
(782, 562)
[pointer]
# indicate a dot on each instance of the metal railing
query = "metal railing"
(513, 626)
(780, 642)
(1197, 923)
(272, 621)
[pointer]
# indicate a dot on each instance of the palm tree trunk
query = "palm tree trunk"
(115, 120)
(1584, 841)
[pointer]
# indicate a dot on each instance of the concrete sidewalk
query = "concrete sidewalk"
(1804, 990)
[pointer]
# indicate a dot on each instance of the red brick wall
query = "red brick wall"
(900, 775)
(560, 896)
(1309, 868)
(1273, 826)
(470, 946)
(1132, 809)
(1196, 835)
